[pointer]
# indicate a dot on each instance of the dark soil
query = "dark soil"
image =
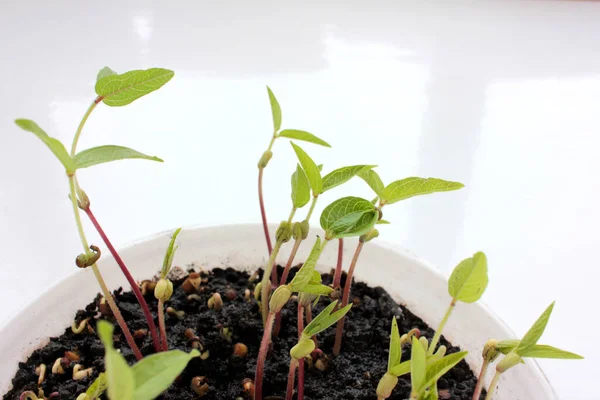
(352, 375)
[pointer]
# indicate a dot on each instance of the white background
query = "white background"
(502, 96)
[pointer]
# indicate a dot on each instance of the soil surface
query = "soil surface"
(353, 375)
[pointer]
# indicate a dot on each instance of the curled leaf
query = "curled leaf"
(170, 253)
(535, 332)
(372, 179)
(395, 346)
(305, 275)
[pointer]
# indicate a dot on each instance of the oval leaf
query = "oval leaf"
(418, 365)
(348, 216)
(108, 153)
(535, 332)
(302, 135)
(438, 368)
(410, 187)
(373, 180)
(155, 374)
(275, 110)
(119, 90)
(104, 72)
(306, 274)
(311, 169)
(325, 319)
(119, 376)
(469, 279)
(545, 351)
(53, 144)
(395, 346)
(300, 188)
(342, 175)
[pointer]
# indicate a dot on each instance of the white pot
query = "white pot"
(409, 280)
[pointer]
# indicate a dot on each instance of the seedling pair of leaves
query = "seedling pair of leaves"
(146, 379)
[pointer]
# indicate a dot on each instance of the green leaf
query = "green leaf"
(325, 319)
(306, 275)
(119, 90)
(119, 375)
(300, 188)
(104, 72)
(432, 393)
(395, 346)
(97, 388)
(348, 216)
(545, 351)
(170, 253)
(383, 222)
(108, 153)
(400, 369)
(311, 169)
(155, 374)
(275, 110)
(410, 187)
(535, 332)
(418, 365)
(342, 175)
(302, 135)
(469, 279)
(438, 368)
(316, 289)
(373, 180)
(506, 346)
(53, 144)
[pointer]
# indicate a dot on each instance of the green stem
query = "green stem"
(312, 207)
(107, 295)
(266, 284)
(493, 385)
(438, 332)
(82, 123)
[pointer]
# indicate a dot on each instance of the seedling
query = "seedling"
(516, 350)
(306, 344)
(164, 289)
(96, 389)
(148, 378)
(113, 90)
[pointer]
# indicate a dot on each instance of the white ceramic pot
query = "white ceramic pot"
(409, 280)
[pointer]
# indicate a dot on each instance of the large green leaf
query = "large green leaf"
(121, 89)
(302, 135)
(438, 368)
(155, 373)
(300, 188)
(275, 110)
(373, 180)
(108, 153)
(53, 144)
(311, 169)
(342, 175)
(348, 216)
(535, 332)
(306, 275)
(418, 365)
(469, 279)
(325, 319)
(395, 346)
(410, 187)
(119, 376)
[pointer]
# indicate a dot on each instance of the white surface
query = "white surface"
(400, 273)
(503, 96)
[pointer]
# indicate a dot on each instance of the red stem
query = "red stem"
(289, 393)
(161, 324)
(301, 362)
(263, 212)
(337, 278)
(132, 283)
(346, 296)
(283, 281)
(479, 386)
(262, 356)
(308, 309)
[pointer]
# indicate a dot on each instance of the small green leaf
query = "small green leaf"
(348, 216)
(316, 289)
(170, 253)
(306, 275)
(469, 279)
(275, 110)
(155, 373)
(108, 153)
(373, 180)
(119, 90)
(342, 175)
(97, 388)
(300, 188)
(410, 187)
(325, 319)
(311, 169)
(119, 376)
(104, 72)
(545, 351)
(418, 365)
(302, 135)
(401, 369)
(438, 368)
(53, 144)
(383, 222)
(535, 332)
(395, 346)
(506, 346)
